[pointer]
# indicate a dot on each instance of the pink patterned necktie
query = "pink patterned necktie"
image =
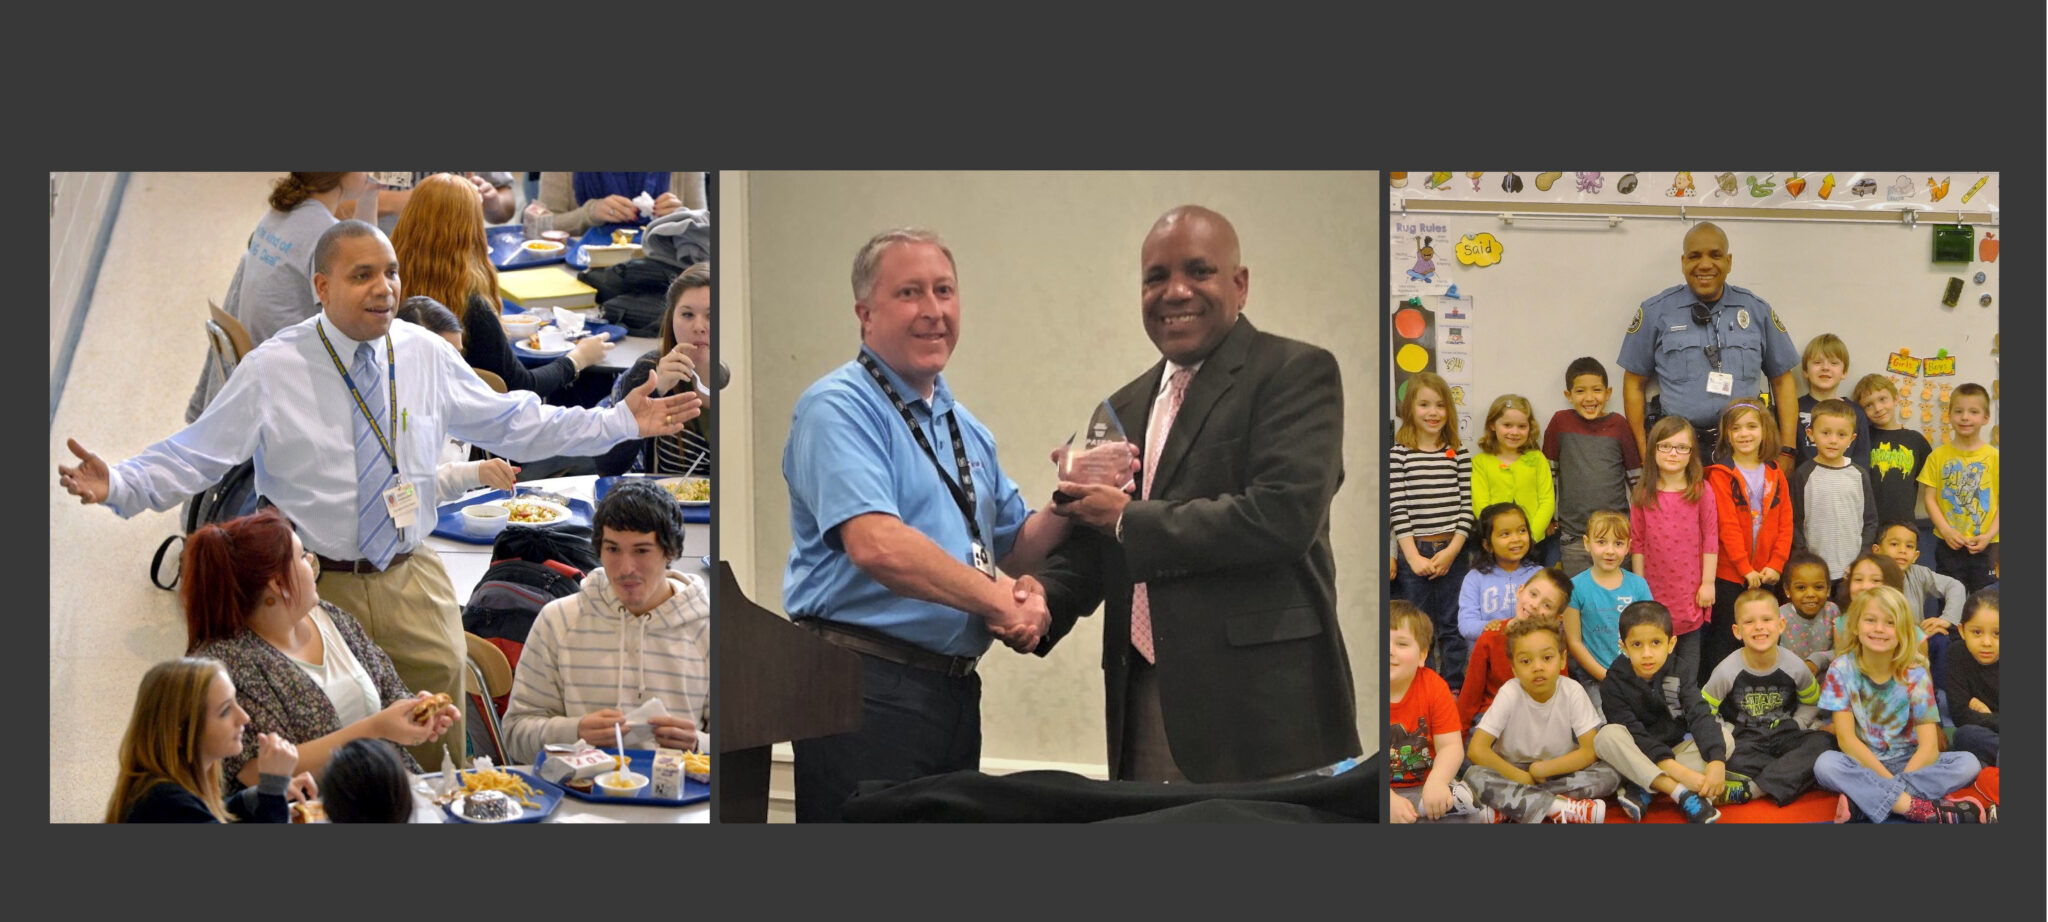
(1141, 600)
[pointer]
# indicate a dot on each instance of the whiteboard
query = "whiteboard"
(1568, 286)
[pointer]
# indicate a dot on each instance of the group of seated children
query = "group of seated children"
(1711, 614)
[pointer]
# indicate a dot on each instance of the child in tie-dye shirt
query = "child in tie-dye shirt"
(1891, 763)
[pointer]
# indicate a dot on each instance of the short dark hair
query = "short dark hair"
(1523, 627)
(1805, 557)
(366, 782)
(1972, 389)
(1979, 600)
(1644, 612)
(1885, 528)
(323, 251)
(1581, 366)
(429, 313)
(640, 506)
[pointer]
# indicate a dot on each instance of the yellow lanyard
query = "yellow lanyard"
(391, 362)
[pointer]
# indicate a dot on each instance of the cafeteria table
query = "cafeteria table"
(570, 810)
(466, 564)
(619, 357)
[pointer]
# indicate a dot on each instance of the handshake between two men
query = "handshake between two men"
(1096, 483)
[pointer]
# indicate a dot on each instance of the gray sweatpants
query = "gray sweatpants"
(1522, 803)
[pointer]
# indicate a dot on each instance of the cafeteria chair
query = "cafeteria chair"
(226, 339)
(491, 378)
(490, 675)
(237, 335)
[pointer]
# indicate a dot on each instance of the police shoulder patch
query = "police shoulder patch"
(1637, 323)
(1776, 321)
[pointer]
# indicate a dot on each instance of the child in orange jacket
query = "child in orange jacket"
(1755, 517)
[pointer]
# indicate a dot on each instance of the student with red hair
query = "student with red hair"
(305, 669)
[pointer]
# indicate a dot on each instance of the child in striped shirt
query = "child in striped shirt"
(1429, 492)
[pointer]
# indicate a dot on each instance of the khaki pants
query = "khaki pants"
(1616, 747)
(410, 611)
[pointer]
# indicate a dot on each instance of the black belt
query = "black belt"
(881, 646)
(330, 565)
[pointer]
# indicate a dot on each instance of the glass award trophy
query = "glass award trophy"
(1103, 457)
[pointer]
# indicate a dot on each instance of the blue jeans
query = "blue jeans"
(1437, 597)
(1978, 741)
(914, 722)
(1874, 795)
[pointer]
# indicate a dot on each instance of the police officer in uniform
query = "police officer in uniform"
(1705, 343)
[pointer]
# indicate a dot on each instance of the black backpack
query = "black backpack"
(631, 293)
(233, 497)
(531, 567)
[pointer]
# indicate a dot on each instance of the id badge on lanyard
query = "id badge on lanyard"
(962, 491)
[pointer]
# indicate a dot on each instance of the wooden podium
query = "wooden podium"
(776, 682)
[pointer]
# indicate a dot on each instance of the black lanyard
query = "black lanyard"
(390, 361)
(963, 492)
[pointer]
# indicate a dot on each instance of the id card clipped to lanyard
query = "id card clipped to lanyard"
(963, 488)
(401, 501)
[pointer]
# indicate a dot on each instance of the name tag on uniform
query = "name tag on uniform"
(403, 502)
(1720, 382)
(981, 561)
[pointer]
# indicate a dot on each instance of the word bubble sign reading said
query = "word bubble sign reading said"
(1480, 250)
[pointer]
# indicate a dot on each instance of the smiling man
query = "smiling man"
(326, 408)
(1221, 654)
(900, 520)
(638, 630)
(1704, 343)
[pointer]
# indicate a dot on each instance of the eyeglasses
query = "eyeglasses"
(1679, 450)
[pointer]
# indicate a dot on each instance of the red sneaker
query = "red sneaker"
(1571, 810)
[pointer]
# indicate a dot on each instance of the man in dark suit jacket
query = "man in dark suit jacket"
(1232, 667)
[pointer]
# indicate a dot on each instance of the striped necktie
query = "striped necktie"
(376, 536)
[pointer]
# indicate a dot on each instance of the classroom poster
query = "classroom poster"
(1934, 191)
(1454, 345)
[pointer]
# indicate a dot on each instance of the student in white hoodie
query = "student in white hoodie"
(638, 630)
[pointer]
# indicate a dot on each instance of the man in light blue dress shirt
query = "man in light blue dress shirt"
(290, 408)
(900, 519)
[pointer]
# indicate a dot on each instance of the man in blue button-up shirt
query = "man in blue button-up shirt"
(1706, 342)
(289, 408)
(883, 556)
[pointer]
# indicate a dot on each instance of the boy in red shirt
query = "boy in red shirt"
(1425, 747)
(1488, 669)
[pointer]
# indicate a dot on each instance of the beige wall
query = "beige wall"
(1048, 267)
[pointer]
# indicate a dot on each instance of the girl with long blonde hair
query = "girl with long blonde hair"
(186, 722)
(1886, 725)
